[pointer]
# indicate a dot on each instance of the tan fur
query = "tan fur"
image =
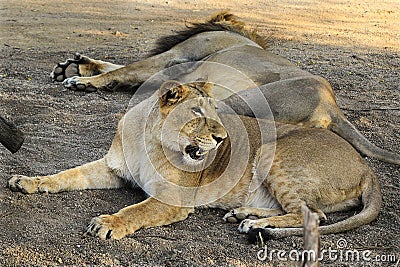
(294, 96)
(312, 167)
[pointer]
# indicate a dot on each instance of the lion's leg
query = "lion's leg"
(81, 66)
(148, 213)
(306, 100)
(293, 187)
(132, 74)
(138, 72)
(94, 175)
(292, 218)
(242, 213)
(283, 221)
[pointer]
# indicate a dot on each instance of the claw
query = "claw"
(108, 235)
(105, 227)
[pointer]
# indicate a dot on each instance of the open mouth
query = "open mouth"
(195, 152)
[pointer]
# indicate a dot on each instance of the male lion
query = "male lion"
(294, 96)
(184, 154)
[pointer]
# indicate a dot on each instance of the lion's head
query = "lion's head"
(189, 120)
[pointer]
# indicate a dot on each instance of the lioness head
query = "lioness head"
(192, 125)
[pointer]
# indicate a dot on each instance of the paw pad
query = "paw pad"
(67, 69)
(73, 83)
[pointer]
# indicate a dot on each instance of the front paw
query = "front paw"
(246, 225)
(237, 215)
(25, 184)
(30, 185)
(79, 83)
(107, 227)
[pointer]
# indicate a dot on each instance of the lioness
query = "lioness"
(294, 96)
(184, 154)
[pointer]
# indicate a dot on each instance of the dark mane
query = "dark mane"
(222, 21)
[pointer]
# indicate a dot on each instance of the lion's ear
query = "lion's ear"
(170, 93)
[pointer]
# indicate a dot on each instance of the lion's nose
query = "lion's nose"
(217, 139)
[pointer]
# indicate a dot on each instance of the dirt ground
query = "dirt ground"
(354, 44)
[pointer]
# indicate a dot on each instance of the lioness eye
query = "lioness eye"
(197, 111)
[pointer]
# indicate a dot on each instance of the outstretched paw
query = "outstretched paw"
(237, 215)
(246, 225)
(79, 84)
(107, 227)
(68, 68)
(25, 184)
(256, 233)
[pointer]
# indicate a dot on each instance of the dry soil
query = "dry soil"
(354, 44)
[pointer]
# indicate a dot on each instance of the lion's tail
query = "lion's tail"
(346, 130)
(371, 199)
